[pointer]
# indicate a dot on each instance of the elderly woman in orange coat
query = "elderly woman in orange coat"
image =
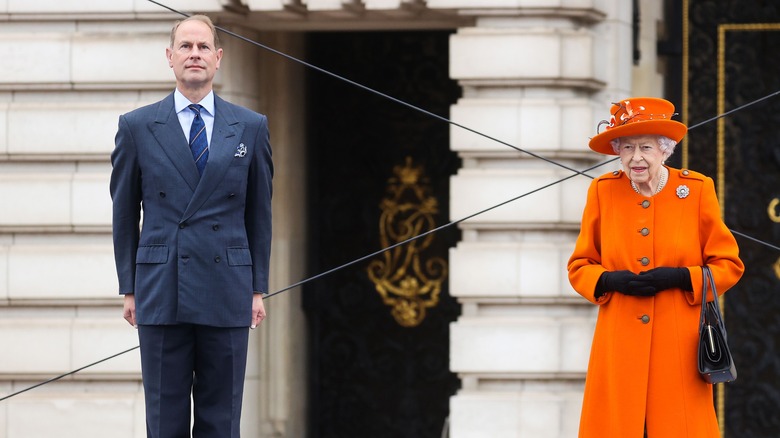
(646, 232)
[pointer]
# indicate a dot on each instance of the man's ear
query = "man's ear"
(219, 57)
(169, 56)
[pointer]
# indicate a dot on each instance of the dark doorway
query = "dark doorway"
(379, 171)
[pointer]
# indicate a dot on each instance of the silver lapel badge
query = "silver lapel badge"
(683, 191)
(240, 151)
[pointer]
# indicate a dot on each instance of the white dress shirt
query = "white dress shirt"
(186, 116)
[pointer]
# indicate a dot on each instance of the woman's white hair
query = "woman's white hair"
(666, 144)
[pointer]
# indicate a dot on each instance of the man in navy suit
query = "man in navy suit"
(193, 276)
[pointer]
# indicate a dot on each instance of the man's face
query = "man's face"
(193, 57)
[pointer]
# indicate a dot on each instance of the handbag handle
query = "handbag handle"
(708, 283)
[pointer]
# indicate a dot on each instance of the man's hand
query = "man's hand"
(258, 310)
(129, 309)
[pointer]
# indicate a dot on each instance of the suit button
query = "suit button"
(644, 231)
(162, 194)
(644, 261)
(645, 204)
(645, 319)
(232, 195)
(217, 259)
(182, 225)
(215, 227)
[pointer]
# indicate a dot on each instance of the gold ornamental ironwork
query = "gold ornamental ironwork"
(776, 268)
(407, 281)
(771, 210)
(774, 217)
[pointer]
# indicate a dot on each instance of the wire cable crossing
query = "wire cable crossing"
(451, 122)
(69, 373)
(377, 92)
(575, 172)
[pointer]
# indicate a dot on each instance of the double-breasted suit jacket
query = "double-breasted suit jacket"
(204, 245)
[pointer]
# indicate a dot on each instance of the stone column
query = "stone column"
(275, 389)
(537, 75)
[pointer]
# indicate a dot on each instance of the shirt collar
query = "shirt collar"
(180, 102)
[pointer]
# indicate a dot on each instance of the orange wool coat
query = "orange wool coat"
(643, 358)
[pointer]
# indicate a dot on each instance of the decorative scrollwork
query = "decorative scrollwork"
(776, 268)
(406, 282)
(772, 210)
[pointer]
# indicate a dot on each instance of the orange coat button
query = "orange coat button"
(645, 319)
(644, 261)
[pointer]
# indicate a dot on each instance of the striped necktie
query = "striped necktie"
(199, 144)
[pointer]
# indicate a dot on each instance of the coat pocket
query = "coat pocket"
(238, 256)
(152, 254)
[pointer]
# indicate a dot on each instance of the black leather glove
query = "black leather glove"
(625, 282)
(668, 278)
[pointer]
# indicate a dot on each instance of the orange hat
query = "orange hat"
(638, 116)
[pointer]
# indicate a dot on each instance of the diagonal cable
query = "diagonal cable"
(739, 108)
(451, 122)
(69, 373)
(377, 92)
(363, 258)
(434, 230)
(455, 222)
(775, 247)
(323, 274)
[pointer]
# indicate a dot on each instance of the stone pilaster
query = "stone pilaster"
(536, 75)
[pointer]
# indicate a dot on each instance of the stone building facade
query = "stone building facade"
(536, 74)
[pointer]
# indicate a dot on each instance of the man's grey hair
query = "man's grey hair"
(197, 17)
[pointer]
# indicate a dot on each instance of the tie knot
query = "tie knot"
(195, 107)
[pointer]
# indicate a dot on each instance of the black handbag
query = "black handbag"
(715, 362)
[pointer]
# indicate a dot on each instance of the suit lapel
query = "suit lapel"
(167, 131)
(224, 140)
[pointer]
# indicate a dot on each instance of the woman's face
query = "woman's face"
(641, 157)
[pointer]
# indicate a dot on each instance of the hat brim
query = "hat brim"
(668, 128)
